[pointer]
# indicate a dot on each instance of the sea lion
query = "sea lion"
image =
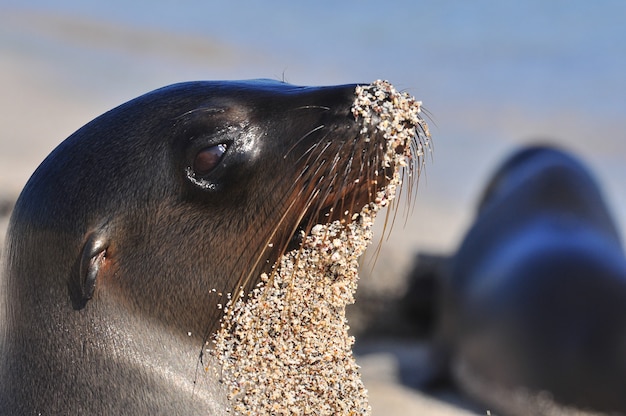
(123, 239)
(533, 312)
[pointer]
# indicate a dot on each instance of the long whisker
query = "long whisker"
(344, 184)
(242, 282)
(312, 107)
(374, 258)
(301, 139)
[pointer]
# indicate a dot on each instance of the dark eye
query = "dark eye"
(208, 158)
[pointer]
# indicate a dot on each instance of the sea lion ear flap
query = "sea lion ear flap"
(92, 259)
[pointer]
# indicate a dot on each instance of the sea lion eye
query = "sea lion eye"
(208, 158)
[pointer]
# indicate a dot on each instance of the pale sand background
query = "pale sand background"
(59, 70)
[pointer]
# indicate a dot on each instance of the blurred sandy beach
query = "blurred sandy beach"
(491, 77)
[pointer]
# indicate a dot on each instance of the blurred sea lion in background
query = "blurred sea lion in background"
(532, 312)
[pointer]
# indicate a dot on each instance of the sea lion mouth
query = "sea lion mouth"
(339, 204)
(342, 204)
(342, 197)
(390, 131)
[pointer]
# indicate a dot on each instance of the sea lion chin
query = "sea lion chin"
(125, 237)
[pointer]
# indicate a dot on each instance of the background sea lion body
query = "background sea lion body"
(119, 237)
(536, 298)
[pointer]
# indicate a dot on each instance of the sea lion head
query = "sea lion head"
(192, 187)
(145, 216)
